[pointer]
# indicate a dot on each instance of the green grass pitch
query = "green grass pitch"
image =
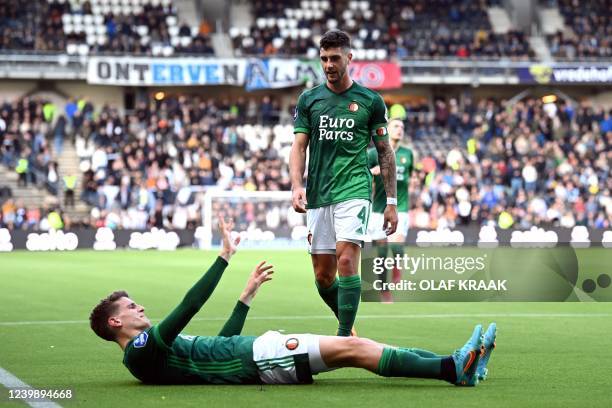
(549, 354)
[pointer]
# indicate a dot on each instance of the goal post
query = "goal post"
(265, 219)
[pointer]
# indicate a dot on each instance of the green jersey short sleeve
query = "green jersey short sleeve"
(340, 127)
(191, 359)
(404, 164)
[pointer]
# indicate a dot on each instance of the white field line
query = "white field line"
(11, 382)
(325, 317)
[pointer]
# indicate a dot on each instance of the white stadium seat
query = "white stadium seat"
(142, 30)
(173, 31)
(247, 42)
(277, 42)
(71, 48)
(156, 49)
(234, 32)
(381, 54)
(83, 49)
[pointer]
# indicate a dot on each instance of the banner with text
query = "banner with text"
(254, 74)
(172, 71)
(579, 74)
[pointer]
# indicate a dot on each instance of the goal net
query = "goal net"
(265, 219)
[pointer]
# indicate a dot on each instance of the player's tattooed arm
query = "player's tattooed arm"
(386, 160)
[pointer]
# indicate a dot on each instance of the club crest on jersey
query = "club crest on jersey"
(381, 131)
(141, 340)
(292, 343)
(403, 160)
(353, 107)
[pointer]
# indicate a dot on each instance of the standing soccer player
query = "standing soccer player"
(404, 159)
(337, 120)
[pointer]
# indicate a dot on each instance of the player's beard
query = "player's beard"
(339, 74)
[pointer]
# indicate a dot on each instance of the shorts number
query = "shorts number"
(362, 216)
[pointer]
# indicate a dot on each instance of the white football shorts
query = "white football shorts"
(344, 221)
(287, 358)
(375, 227)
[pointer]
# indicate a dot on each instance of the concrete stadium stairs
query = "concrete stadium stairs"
(38, 196)
(31, 196)
(68, 164)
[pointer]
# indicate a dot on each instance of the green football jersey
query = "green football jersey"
(191, 359)
(404, 164)
(339, 128)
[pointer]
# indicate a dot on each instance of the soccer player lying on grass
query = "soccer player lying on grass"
(159, 354)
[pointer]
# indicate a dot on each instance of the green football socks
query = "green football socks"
(349, 291)
(330, 295)
(423, 353)
(396, 362)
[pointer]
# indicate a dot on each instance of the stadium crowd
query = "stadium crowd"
(31, 25)
(398, 28)
(460, 28)
(539, 164)
(83, 28)
(414, 29)
(591, 30)
(535, 163)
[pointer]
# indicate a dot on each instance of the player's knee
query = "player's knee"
(346, 263)
(355, 347)
(324, 278)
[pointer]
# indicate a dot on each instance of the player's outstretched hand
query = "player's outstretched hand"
(262, 273)
(390, 219)
(298, 199)
(229, 245)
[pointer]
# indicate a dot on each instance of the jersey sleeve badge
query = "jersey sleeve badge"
(141, 340)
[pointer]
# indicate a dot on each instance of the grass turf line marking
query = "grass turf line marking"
(10, 381)
(324, 317)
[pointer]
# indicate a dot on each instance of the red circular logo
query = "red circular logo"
(292, 343)
(353, 106)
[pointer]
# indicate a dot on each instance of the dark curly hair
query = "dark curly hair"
(335, 39)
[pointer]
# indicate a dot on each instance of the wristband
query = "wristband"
(391, 201)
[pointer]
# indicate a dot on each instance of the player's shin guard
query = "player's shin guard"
(349, 291)
(403, 363)
(330, 296)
